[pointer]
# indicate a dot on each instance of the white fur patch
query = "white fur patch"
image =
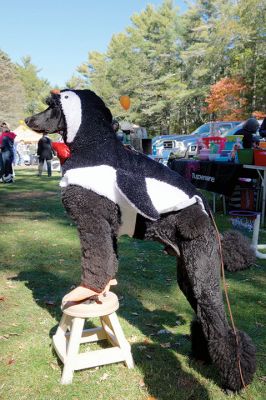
(71, 106)
(102, 180)
(166, 198)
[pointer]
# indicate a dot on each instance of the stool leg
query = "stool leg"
(63, 325)
(59, 338)
(112, 321)
(72, 349)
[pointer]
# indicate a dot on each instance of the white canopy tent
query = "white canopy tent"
(26, 135)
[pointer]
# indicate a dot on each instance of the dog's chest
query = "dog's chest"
(102, 180)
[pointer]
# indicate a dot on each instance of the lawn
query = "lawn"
(40, 262)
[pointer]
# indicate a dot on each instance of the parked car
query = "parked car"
(187, 145)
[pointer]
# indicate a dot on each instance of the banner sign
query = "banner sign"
(218, 177)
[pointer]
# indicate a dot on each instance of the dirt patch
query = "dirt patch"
(30, 195)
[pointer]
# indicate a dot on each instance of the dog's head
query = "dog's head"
(67, 111)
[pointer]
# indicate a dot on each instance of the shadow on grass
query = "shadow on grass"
(164, 377)
(163, 373)
(47, 290)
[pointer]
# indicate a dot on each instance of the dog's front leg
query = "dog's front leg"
(97, 220)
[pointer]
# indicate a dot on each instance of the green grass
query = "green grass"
(40, 261)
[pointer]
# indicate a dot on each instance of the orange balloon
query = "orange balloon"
(125, 102)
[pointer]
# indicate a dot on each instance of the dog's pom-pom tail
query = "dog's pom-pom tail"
(199, 345)
(236, 363)
(237, 251)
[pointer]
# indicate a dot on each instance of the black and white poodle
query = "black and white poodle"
(109, 191)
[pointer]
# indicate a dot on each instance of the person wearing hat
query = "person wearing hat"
(7, 153)
(249, 127)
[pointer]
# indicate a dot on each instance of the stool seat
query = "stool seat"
(70, 334)
(89, 309)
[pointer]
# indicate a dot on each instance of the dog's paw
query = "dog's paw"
(81, 293)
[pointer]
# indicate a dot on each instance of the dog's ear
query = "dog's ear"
(100, 105)
(96, 102)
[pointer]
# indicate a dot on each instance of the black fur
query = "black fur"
(237, 253)
(98, 222)
(188, 233)
(199, 345)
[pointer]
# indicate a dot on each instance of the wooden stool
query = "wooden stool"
(67, 344)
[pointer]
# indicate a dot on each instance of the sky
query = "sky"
(59, 34)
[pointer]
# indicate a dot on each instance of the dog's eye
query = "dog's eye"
(66, 97)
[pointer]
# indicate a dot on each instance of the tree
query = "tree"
(167, 63)
(76, 82)
(227, 100)
(141, 63)
(36, 88)
(11, 92)
(248, 53)
(206, 40)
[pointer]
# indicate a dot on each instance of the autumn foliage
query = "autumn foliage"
(259, 114)
(227, 99)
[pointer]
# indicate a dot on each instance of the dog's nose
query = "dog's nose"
(26, 120)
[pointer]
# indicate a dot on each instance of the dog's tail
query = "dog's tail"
(237, 251)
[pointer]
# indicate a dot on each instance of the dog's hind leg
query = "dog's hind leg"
(199, 279)
(198, 270)
(97, 220)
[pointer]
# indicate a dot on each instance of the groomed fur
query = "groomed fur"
(223, 349)
(237, 251)
(199, 345)
(98, 222)
(198, 275)
(188, 232)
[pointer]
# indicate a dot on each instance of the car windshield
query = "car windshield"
(233, 131)
(205, 128)
(220, 128)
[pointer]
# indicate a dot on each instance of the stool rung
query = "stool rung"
(95, 358)
(91, 335)
(110, 335)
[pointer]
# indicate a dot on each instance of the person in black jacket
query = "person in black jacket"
(248, 129)
(45, 153)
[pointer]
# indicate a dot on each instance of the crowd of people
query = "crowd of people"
(12, 153)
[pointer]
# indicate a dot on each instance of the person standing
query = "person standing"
(45, 153)
(7, 153)
(249, 128)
